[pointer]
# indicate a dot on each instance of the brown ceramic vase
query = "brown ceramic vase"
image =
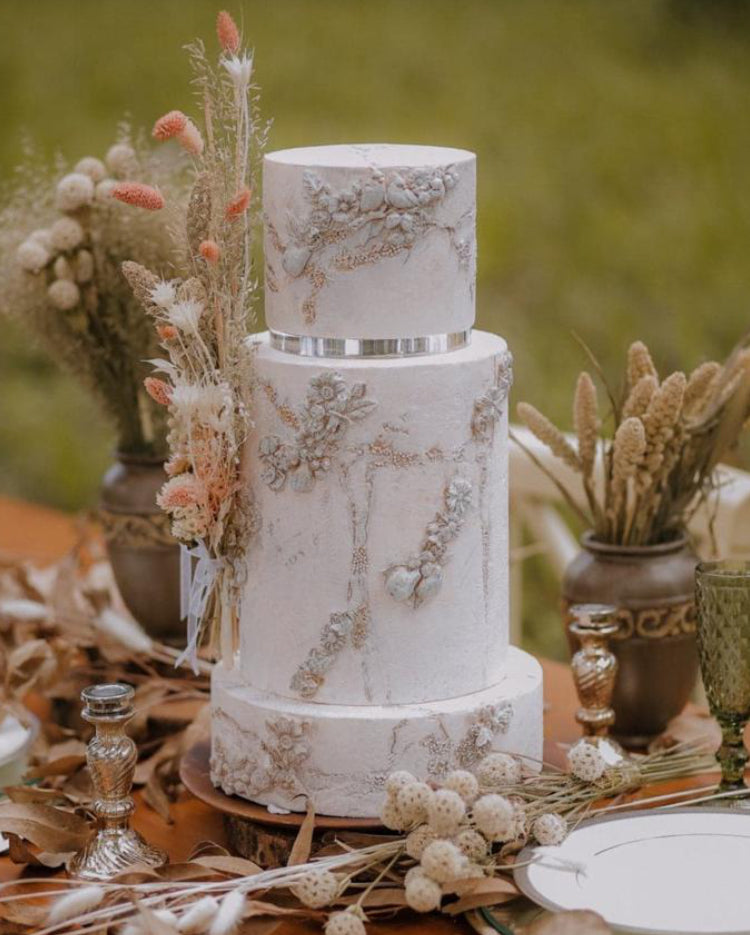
(145, 558)
(653, 589)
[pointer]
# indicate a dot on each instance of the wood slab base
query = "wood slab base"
(254, 832)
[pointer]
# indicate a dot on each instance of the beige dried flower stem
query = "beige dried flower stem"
(640, 363)
(549, 434)
(628, 449)
(587, 427)
(639, 397)
(700, 386)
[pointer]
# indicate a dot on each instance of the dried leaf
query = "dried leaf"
(302, 846)
(578, 922)
(155, 796)
(386, 897)
(234, 866)
(477, 893)
(208, 849)
(35, 795)
(64, 766)
(20, 853)
(52, 829)
(23, 913)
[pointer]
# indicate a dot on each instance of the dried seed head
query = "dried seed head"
(586, 421)
(700, 388)
(640, 363)
(639, 397)
(141, 280)
(629, 448)
(548, 433)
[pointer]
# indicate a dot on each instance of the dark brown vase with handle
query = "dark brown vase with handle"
(653, 590)
(145, 557)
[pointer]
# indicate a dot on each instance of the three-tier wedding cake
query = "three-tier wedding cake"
(374, 626)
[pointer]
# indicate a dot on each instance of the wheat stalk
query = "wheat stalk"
(640, 363)
(548, 433)
(640, 396)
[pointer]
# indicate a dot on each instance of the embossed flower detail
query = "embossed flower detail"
(331, 406)
(278, 459)
(326, 388)
(378, 217)
(311, 674)
(458, 497)
(421, 576)
(488, 407)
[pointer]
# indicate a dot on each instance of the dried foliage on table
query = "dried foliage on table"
(202, 322)
(63, 628)
(62, 240)
(666, 439)
(452, 850)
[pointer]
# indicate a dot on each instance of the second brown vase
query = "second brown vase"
(653, 590)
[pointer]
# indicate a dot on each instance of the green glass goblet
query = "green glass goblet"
(723, 603)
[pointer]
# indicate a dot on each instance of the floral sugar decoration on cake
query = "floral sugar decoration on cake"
(330, 408)
(360, 225)
(421, 576)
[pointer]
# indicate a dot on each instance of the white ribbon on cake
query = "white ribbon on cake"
(196, 585)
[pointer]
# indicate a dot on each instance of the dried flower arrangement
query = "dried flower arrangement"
(62, 240)
(668, 437)
(201, 320)
(455, 846)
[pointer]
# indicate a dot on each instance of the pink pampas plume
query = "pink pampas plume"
(171, 124)
(138, 195)
(226, 30)
(210, 251)
(158, 390)
(238, 205)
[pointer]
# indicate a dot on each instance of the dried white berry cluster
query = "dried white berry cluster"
(61, 248)
(451, 830)
(586, 762)
(320, 888)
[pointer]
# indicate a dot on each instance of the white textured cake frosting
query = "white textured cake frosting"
(374, 626)
(370, 241)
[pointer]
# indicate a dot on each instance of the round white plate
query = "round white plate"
(681, 872)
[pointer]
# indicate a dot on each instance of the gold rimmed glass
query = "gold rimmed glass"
(723, 603)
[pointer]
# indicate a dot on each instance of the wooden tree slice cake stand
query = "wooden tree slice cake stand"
(253, 831)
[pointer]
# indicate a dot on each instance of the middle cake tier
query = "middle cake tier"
(379, 571)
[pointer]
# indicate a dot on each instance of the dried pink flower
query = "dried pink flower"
(238, 205)
(183, 490)
(138, 195)
(226, 30)
(171, 124)
(210, 251)
(166, 332)
(158, 390)
(190, 138)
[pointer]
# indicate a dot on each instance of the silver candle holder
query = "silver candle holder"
(111, 756)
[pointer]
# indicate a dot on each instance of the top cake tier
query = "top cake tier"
(370, 241)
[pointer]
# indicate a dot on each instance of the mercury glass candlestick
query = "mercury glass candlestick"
(594, 666)
(723, 602)
(111, 756)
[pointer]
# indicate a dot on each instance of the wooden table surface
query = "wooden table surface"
(41, 534)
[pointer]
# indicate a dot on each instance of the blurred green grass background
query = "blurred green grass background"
(613, 140)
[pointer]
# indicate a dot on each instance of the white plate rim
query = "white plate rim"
(521, 876)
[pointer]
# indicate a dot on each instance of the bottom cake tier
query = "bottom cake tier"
(281, 752)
